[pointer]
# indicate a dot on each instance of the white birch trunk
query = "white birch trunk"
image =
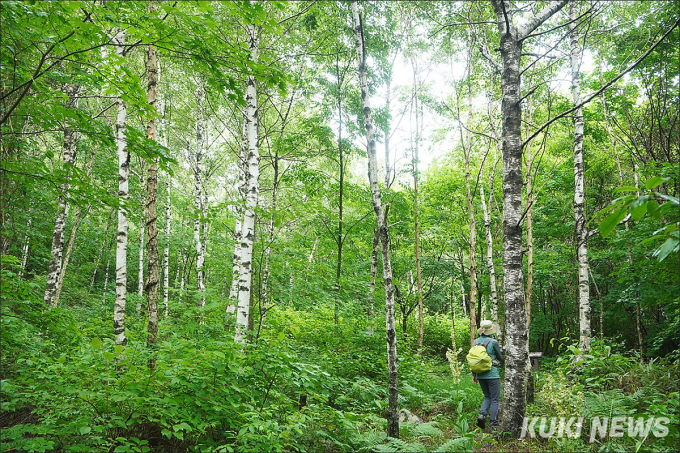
(581, 231)
(106, 274)
(416, 226)
(69, 148)
(24, 249)
(530, 222)
(166, 251)
(252, 194)
(270, 240)
(140, 274)
(393, 392)
(517, 349)
(240, 191)
(374, 273)
(123, 195)
(489, 263)
(153, 273)
(67, 253)
(198, 202)
(516, 344)
(472, 228)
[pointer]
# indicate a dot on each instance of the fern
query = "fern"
(457, 444)
(367, 441)
(398, 445)
(428, 429)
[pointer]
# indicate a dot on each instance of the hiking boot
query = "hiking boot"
(481, 421)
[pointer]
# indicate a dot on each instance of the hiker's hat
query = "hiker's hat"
(486, 327)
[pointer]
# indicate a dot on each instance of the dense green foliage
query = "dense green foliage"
(304, 381)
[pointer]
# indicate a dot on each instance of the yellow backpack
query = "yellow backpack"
(478, 359)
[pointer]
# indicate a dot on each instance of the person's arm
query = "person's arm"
(497, 351)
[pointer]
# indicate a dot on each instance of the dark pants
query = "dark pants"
(492, 395)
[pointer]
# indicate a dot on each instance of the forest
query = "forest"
(243, 226)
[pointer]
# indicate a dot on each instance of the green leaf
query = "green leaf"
(638, 208)
(625, 189)
(96, 343)
(654, 181)
(167, 433)
(652, 207)
(118, 349)
(84, 429)
(668, 247)
(609, 223)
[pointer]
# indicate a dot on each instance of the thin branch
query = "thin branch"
(546, 13)
(607, 85)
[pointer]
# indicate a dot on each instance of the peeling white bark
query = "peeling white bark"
(238, 227)
(393, 392)
(198, 193)
(489, 262)
(252, 195)
(581, 231)
(123, 195)
(69, 148)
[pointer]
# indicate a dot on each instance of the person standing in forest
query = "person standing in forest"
(489, 381)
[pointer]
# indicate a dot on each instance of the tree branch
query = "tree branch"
(607, 85)
(546, 13)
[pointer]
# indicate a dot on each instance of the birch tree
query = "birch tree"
(472, 226)
(72, 236)
(419, 283)
(123, 195)
(69, 149)
(393, 392)
(580, 230)
(512, 38)
(153, 275)
(198, 196)
(252, 194)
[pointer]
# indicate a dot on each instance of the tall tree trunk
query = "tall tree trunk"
(268, 248)
(338, 267)
(419, 282)
(142, 229)
(166, 250)
(252, 194)
(153, 272)
(393, 393)
(472, 227)
(489, 262)
(375, 250)
(530, 221)
(106, 272)
(580, 230)
(101, 250)
(198, 202)
(72, 236)
(69, 148)
(517, 353)
(238, 226)
(24, 248)
(123, 194)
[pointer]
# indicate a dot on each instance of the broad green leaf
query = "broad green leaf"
(655, 181)
(96, 343)
(668, 247)
(611, 221)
